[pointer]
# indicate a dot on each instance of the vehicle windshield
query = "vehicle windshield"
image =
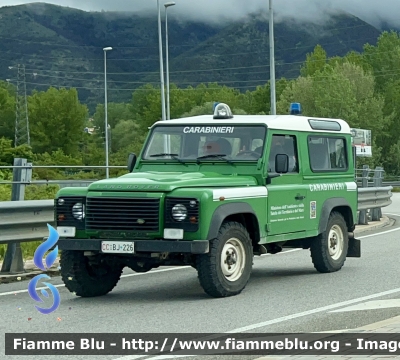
(206, 142)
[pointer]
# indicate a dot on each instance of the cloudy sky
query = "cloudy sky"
(215, 10)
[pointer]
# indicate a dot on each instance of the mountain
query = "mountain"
(62, 46)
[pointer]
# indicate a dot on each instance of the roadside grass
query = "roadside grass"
(396, 189)
(28, 250)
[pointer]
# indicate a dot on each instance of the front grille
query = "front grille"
(64, 212)
(191, 223)
(123, 214)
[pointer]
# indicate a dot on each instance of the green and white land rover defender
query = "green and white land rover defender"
(212, 192)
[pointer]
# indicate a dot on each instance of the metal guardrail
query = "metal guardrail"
(374, 197)
(24, 221)
(61, 183)
(393, 184)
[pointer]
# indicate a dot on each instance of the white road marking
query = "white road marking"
(132, 357)
(314, 311)
(257, 325)
(160, 357)
(372, 305)
(122, 276)
(287, 318)
(136, 274)
(185, 267)
(378, 234)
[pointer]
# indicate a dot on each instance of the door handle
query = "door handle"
(300, 197)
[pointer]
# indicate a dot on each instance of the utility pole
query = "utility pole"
(106, 109)
(167, 5)
(22, 133)
(164, 117)
(272, 58)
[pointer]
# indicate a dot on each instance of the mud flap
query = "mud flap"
(354, 248)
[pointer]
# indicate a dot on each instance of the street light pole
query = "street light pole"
(272, 59)
(161, 62)
(167, 5)
(106, 108)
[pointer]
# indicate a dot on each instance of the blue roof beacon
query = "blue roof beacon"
(295, 109)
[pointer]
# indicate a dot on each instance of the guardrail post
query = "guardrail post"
(362, 217)
(13, 261)
(378, 180)
(382, 175)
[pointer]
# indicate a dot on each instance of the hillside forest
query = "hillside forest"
(362, 88)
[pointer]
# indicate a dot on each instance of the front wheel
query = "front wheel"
(329, 249)
(88, 279)
(226, 269)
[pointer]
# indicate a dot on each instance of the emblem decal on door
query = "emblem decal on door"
(313, 209)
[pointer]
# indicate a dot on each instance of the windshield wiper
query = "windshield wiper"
(174, 156)
(219, 156)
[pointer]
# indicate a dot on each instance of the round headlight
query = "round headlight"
(179, 212)
(78, 211)
(61, 201)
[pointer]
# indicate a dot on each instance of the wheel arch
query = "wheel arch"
(340, 205)
(240, 212)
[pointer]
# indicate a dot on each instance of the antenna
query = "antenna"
(22, 135)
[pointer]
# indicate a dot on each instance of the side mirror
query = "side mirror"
(281, 163)
(131, 162)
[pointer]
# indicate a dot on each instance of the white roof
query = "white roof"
(277, 122)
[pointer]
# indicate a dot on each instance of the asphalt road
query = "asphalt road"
(285, 294)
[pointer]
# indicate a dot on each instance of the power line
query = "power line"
(183, 56)
(321, 79)
(53, 44)
(362, 55)
(155, 83)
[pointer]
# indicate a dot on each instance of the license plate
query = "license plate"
(117, 247)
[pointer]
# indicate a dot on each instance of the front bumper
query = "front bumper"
(141, 246)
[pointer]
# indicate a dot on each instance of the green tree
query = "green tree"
(8, 152)
(342, 91)
(384, 58)
(57, 120)
(314, 62)
(127, 135)
(259, 100)
(7, 110)
(116, 113)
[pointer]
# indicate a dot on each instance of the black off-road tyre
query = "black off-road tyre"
(85, 280)
(232, 238)
(323, 260)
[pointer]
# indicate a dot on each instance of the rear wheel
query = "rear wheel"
(86, 278)
(226, 269)
(329, 249)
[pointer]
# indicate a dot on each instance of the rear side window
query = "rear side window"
(327, 153)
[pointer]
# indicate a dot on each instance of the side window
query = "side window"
(284, 144)
(327, 153)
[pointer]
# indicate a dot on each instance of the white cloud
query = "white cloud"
(218, 10)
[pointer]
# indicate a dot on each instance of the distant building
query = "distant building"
(89, 130)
